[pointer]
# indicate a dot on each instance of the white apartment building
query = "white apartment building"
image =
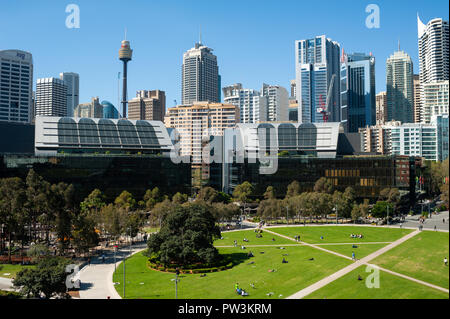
(51, 97)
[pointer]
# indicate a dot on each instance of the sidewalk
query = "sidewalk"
(96, 278)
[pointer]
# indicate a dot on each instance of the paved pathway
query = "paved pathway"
(364, 261)
(435, 220)
(96, 278)
(6, 284)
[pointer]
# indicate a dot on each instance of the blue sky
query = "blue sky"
(253, 40)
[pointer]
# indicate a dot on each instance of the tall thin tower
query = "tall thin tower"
(125, 53)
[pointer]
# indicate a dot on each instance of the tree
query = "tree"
(47, 279)
(323, 185)
(160, 211)
(37, 199)
(270, 193)
(242, 193)
(126, 201)
(12, 201)
(222, 211)
(361, 210)
(84, 235)
(114, 219)
(186, 237)
(179, 198)
(293, 189)
(152, 197)
(207, 194)
(38, 251)
(93, 203)
(380, 209)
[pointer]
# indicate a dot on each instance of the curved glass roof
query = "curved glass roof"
(105, 133)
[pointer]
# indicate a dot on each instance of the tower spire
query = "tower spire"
(200, 35)
(398, 44)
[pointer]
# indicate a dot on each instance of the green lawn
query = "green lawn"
(229, 237)
(391, 287)
(288, 278)
(341, 234)
(420, 257)
(361, 250)
(12, 270)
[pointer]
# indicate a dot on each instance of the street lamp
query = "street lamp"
(387, 220)
(177, 272)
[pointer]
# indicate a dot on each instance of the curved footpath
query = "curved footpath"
(97, 278)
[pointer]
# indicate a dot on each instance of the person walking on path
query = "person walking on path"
(353, 255)
(89, 261)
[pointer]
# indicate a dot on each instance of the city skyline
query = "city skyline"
(158, 62)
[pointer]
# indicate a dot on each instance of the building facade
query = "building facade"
(358, 98)
(72, 80)
(147, 105)
(381, 107)
(16, 86)
(92, 110)
(400, 88)
(195, 123)
(277, 102)
(417, 101)
(200, 76)
(51, 97)
(252, 106)
(317, 66)
(109, 110)
(434, 100)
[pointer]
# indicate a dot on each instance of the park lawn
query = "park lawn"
(11, 270)
(150, 230)
(229, 237)
(391, 287)
(361, 250)
(288, 278)
(420, 257)
(341, 234)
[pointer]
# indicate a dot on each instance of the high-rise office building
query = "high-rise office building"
(317, 64)
(147, 105)
(277, 102)
(399, 87)
(358, 103)
(433, 50)
(200, 76)
(72, 81)
(417, 93)
(92, 109)
(381, 107)
(16, 86)
(51, 97)
(252, 106)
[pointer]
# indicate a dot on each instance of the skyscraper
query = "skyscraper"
(16, 86)
(358, 106)
(125, 54)
(433, 40)
(200, 76)
(51, 97)
(317, 64)
(109, 110)
(399, 87)
(277, 102)
(433, 50)
(252, 106)
(72, 81)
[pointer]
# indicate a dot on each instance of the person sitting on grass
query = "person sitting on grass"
(284, 261)
(273, 239)
(244, 293)
(445, 261)
(250, 254)
(246, 240)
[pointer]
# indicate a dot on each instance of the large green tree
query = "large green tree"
(186, 236)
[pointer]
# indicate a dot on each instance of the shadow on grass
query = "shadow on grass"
(235, 258)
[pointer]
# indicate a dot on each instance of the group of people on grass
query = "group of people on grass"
(356, 236)
(240, 291)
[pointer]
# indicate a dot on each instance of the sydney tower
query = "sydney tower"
(125, 55)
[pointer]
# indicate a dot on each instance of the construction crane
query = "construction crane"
(324, 109)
